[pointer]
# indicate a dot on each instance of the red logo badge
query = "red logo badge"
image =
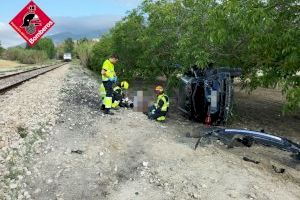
(31, 23)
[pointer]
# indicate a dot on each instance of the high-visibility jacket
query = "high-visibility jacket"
(162, 102)
(117, 96)
(118, 93)
(109, 68)
(118, 90)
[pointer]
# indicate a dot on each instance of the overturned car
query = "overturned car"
(206, 95)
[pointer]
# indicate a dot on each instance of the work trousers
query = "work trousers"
(107, 101)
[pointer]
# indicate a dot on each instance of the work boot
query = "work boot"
(108, 112)
(102, 107)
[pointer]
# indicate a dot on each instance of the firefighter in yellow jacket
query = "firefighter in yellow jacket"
(119, 94)
(109, 77)
(160, 109)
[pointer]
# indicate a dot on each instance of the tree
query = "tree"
(161, 37)
(47, 45)
(255, 35)
(69, 45)
(101, 51)
(127, 42)
(260, 36)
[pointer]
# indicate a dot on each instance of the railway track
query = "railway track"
(9, 81)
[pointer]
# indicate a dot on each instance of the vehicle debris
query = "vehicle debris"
(229, 136)
(250, 160)
(278, 170)
(77, 151)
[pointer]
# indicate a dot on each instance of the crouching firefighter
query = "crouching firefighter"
(108, 79)
(119, 97)
(159, 110)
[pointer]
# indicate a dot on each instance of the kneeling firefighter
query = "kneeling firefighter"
(119, 97)
(160, 109)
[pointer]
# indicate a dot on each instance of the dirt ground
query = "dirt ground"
(262, 109)
(86, 155)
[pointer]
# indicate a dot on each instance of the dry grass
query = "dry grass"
(10, 64)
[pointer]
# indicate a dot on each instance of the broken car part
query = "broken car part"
(77, 151)
(231, 135)
(250, 160)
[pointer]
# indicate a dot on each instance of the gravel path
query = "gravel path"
(90, 156)
(27, 113)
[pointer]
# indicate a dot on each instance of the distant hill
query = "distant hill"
(61, 37)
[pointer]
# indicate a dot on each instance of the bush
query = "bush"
(25, 56)
(84, 52)
(1, 50)
(47, 45)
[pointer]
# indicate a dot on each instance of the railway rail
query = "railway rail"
(9, 81)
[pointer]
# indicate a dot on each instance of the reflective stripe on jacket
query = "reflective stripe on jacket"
(162, 102)
(118, 90)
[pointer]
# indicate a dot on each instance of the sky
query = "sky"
(75, 16)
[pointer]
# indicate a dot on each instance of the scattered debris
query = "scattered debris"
(278, 170)
(77, 151)
(250, 160)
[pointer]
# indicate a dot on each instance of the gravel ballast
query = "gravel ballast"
(27, 113)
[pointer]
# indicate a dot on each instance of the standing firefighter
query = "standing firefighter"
(118, 94)
(160, 109)
(108, 79)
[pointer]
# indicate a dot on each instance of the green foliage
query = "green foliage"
(293, 103)
(84, 52)
(101, 51)
(68, 45)
(127, 42)
(255, 35)
(47, 45)
(25, 56)
(1, 49)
